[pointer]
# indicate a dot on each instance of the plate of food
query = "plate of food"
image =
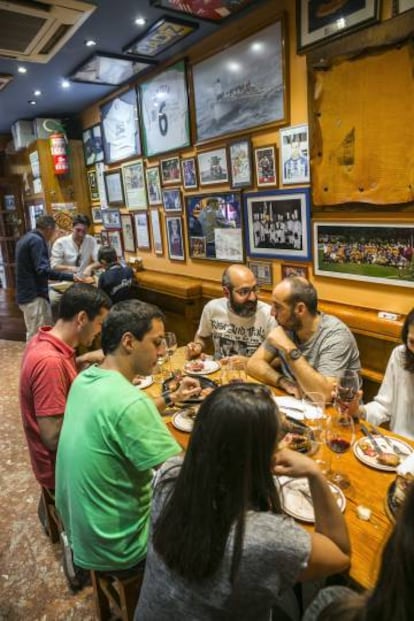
(201, 367)
(297, 436)
(296, 498)
(207, 386)
(141, 381)
(382, 459)
(184, 419)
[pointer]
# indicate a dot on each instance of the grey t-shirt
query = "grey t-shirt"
(275, 550)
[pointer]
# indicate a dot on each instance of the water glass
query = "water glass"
(314, 416)
(233, 372)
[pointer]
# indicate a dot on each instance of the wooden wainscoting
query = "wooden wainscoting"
(12, 325)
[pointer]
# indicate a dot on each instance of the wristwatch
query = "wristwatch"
(294, 354)
(166, 395)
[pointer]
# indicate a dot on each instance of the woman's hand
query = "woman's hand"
(293, 464)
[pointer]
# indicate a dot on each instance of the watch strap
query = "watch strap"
(166, 395)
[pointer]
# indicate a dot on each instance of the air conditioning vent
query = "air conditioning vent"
(35, 31)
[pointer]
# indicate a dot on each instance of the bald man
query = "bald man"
(238, 322)
(308, 349)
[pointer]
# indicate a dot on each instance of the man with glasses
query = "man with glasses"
(237, 323)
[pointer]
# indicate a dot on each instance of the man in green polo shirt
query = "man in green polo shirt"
(112, 436)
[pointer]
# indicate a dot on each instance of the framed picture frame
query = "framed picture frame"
(316, 26)
(189, 173)
(377, 253)
(294, 159)
(165, 120)
(160, 36)
(170, 170)
(98, 238)
(142, 231)
(96, 214)
(114, 187)
(228, 101)
(109, 69)
(171, 199)
(214, 226)
(111, 219)
(240, 163)
(213, 11)
(104, 238)
(401, 6)
(265, 165)
(278, 224)
(153, 181)
(134, 185)
(175, 239)
(263, 272)
(213, 167)
(289, 269)
(92, 144)
(128, 232)
(9, 202)
(93, 185)
(156, 231)
(115, 240)
(120, 127)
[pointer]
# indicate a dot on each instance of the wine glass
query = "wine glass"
(171, 342)
(314, 416)
(347, 386)
(340, 436)
(162, 371)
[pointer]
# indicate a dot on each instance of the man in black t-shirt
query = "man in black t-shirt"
(118, 281)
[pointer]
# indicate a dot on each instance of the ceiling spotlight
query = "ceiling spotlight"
(32, 102)
(37, 93)
(90, 42)
(22, 69)
(65, 84)
(140, 21)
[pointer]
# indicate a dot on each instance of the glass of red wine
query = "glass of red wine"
(348, 384)
(340, 436)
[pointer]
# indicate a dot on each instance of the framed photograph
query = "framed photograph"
(104, 238)
(111, 219)
(171, 199)
(134, 185)
(109, 69)
(120, 128)
(240, 156)
(214, 225)
(294, 154)
(115, 240)
(9, 202)
(100, 176)
(166, 32)
(153, 180)
(263, 272)
(96, 215)
(92, 145)
(189, 173)
(288, 269)
(156, 231)
(265, 166)
(165, 120)
(98, 239)
(228, 101)
(128, 233)
(401, 6)
(211, 11)
(175, 239)
(212, 167)
(114, 188)
(379, 253)
(317, 24)
(170, 170)
(142, 231)
(93, 185)
(277, 224)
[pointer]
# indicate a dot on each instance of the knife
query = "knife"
(386, 439)
(372, 439)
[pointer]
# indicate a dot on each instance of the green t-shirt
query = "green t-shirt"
(112, 435)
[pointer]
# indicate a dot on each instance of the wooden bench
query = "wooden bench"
(115, 595)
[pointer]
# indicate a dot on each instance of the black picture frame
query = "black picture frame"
(240, 163)
(160, 36)
(217, 13)
(128, 232)
(109, 69)
(93, 184)
(92, 144)
(114, 187)
(189, 173)
(111, 219)
(175, 238)
(120, 127)
(172, 200)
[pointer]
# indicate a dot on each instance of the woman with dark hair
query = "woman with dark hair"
(221, 546)
(392, 598)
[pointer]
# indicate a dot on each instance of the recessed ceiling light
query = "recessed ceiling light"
(65, 84)
(21, 69)
(37, 93)
(140, 21)
(32, 102)
(90, 42)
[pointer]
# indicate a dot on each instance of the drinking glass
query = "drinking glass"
(162, 371)
(171, 344)
(233, 372)
(314, 416)
(348, 384)
(340, 436)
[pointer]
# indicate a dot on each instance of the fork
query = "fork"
(390, 443)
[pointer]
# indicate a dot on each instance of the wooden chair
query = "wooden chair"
(54, 525)
(114, 594)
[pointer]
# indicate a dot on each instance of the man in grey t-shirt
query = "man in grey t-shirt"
(308, 349)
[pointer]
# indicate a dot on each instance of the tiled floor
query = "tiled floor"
(32, 584)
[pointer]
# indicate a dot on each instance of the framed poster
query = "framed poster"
(120, 128)
(175, 239)
(9, 202)
(318, 23)
(128, 233)
(288, 269)
(96, 215)
(153, 180)
(379, 253)
(134, 185)
(111, 218)
(240, 160)
(109, 69)
(215, 11)
(142, 231)
(214, 225)
(277, 224)
(165, 120)
(115, 240)
(104, 238)
(93, 185)
(263, 272)
(170, 170)
(114, 188)
(265, 166)
(189, 173)
(156, 231)
(92, 145)
(171, 199)
(228, 101)
(212, 167)
(166, 32)
(294, 151)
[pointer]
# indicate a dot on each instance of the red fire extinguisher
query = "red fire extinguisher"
(59, 153)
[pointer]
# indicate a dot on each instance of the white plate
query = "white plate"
(210, 366)
(372, 461)
(183, 420)
(145, 382)
(296, 499)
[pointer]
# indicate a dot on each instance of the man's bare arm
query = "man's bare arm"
(49, 428)
(196, 347)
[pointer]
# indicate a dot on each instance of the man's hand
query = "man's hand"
(279, 339)
(353, 408)
(240, 361)
(88, 280)
(91, 357)
(293, 464)
(193, 350)
(290, 387)
(189, 387)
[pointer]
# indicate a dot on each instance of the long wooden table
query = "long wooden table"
(369, 488)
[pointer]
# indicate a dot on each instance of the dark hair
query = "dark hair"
(107, 254)
(408, 355)
(226, 472)
(302, 290)
(128, 316)
(81, 297)
(45, 222)
(81, 218)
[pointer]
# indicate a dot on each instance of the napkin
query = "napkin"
(407, 466)
(296, 408)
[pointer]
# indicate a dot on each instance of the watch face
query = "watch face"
(295, 354)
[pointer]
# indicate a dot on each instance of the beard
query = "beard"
(294, 324)
(246, 309)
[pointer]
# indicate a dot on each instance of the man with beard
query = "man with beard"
(237, 323)
(308, 349)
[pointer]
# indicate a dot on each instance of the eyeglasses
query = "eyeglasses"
(78, 260)
(244, 292)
